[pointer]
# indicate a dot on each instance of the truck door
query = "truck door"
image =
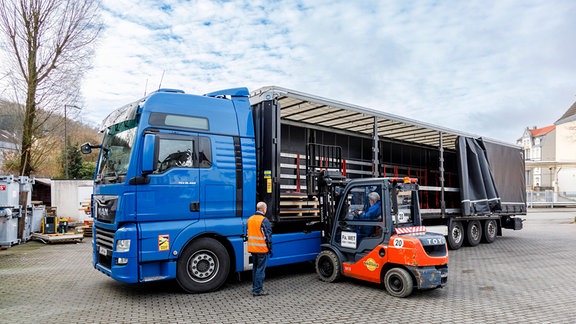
(172, 193)
(360, 224)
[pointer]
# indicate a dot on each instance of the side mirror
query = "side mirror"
(86, 148)
(148, 153)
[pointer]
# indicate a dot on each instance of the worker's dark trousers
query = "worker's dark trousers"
(259, 261)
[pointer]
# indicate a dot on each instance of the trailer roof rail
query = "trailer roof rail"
(298, 108)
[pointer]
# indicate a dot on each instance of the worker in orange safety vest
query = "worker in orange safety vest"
(260, 246)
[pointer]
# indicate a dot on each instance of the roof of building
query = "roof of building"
(542, 131)
(568, 116)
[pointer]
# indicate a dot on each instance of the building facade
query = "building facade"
(550, 154)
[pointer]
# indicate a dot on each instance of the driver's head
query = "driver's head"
(374, 197)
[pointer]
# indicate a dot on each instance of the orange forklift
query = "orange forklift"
(372, 231)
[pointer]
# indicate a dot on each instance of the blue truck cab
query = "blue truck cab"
(177, 178)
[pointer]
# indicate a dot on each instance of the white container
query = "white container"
(9, 192)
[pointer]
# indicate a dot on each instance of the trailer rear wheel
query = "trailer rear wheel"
(328, 266)
(455, 235)
(203, 266)
(490, 231)
(398, 282)
(474, 233)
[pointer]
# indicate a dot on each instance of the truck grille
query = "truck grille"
(104, 242)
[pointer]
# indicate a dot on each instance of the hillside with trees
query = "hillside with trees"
(47, 154)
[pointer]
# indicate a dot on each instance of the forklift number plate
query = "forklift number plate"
(102, 250)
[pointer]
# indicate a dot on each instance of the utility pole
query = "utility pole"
(66, 137)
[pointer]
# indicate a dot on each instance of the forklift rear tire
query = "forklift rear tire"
(474, 233)
(455, 235)
(328, 266)
(398, 282)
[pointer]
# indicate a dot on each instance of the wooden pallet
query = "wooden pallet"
(58, 238)
(298, 205)
(86, 230)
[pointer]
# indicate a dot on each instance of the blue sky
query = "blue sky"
(486, 67)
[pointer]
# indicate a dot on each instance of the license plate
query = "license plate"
(103, 251)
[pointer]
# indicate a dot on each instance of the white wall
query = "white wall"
(67, 197)
(566, 152)
(566, 142)
(567, 180)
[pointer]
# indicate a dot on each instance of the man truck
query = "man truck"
(178, 175)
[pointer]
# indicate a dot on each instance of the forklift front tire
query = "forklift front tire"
(328, 266)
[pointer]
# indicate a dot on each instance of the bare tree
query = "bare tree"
(48, 44)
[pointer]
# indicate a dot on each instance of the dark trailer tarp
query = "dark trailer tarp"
(491, 181)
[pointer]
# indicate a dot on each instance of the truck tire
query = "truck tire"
(203, 266)
(473, 233)
(398, 282)
(328, 266)
(455, 235)
(490, 231)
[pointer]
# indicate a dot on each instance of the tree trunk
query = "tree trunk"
(28, 132)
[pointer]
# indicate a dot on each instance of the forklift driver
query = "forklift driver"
(374, 212)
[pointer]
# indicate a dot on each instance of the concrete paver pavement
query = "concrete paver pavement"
(525, 276)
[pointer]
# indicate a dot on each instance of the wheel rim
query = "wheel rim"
(203, 266)
(475, 232)
(326, 268)
(395, 283)
(491, 229)
(456, 234)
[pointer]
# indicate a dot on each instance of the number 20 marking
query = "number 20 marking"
(398, 243)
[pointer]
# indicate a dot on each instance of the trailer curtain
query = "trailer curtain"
(478, 192)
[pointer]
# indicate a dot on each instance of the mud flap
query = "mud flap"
(514, 223)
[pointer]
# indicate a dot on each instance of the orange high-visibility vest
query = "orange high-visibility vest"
(256, 238)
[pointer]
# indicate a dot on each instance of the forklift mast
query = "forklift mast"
(325, 180)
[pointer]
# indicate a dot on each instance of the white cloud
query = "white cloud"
(486, 67)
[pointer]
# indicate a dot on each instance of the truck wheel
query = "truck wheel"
(455, 235)
(328, 266)
(490, 231)
(473, 233)
(203, 266)
(398, 282)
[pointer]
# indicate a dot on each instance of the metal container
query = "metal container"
(9, 192)
(26, 188)
(38, 213)
(8, 227)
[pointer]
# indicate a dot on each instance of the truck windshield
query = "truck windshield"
(116, 152)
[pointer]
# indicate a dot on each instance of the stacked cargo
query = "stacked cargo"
(14, 225)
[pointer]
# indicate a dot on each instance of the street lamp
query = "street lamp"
(66, 136)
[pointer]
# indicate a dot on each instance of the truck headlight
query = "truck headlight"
(122, 245)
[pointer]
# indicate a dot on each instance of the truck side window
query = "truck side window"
(204, 153)
(176, 153)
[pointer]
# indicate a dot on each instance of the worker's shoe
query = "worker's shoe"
(262, 293)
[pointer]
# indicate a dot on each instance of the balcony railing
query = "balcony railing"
(549, 198)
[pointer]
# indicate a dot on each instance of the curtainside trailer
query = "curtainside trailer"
(178, 176)
(470, 187)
